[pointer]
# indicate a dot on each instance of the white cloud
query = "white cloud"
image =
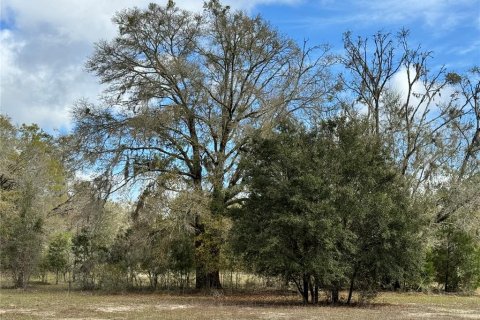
(8, 50)
(40, 81)
(399, 83)
(88, 20)
(43, 55)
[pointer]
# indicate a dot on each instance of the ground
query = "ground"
(54, 302)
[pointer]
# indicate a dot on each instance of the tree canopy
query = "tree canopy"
(221, 146)
(183, 91)
(326, 207)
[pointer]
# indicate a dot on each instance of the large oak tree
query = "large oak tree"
(182, 92)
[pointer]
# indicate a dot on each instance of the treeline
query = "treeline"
(243, 151)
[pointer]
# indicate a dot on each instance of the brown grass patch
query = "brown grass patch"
(50, 302)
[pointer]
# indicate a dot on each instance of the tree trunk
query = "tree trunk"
(315, 294)
(207, 280)
(155, 281)
(334, 295)
(21, 280)
(312, 291)
(207, 247)
(447, 268)
(350, 291)
(305, 288)
(213, 279)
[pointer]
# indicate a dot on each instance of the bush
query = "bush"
(112, 277)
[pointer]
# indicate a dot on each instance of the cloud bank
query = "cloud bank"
(43, 47)
(45, 43)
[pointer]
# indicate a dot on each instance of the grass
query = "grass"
(54, 302)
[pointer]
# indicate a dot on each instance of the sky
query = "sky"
(44, 43)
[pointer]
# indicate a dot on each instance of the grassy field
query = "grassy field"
(54, 302)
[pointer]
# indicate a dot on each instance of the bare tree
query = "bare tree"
(404, 103)
(465, 146)
(428, 117)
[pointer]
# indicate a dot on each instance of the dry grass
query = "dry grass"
(53, 302)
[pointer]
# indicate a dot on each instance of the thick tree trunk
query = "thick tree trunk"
(21, 280)
(207, 280)
(213, 279)
(208, 245)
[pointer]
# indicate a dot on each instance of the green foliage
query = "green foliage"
(453, 78)
(336, 206)
(454, 252)
(159, 240)
(206, 79)
(456, 260)
(325, 205)
(21, 245)
(278, 229)
(112, 277)
(181, 257)
(32, 183)
(87, 256)
(58, 253)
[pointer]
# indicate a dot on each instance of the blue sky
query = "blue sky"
(44, 43)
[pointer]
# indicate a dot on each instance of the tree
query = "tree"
(325, 209)
(456, 259)
(164, 228)
(95, 223)
(183, 91)
(428, 118)
(85, 257)
(458, 191)
(58, 254)
(372, 199)
(32, 183)
(284, 228)
(455, 251)
(467, 96)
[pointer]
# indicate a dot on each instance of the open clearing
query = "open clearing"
(50, 302)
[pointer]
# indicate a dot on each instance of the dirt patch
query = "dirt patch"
(115, 308)
(81, 319)
(275, 315)
(437, 315)
(172, 306)
(447, 313)
(17, 310)
(31, 312)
